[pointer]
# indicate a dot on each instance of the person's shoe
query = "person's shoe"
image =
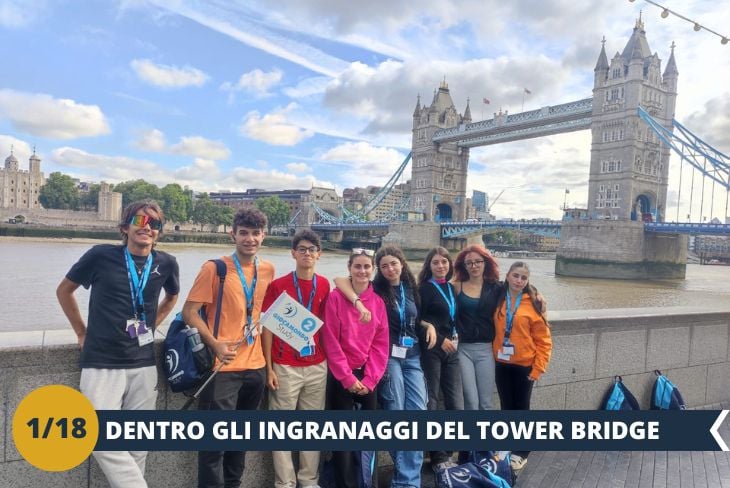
(517, 462)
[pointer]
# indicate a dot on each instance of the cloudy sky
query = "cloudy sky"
(224, 95)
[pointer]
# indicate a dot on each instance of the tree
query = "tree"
(174, 202)
(276, 210)
(89, 200)
(223, 215)
(136, 190)
(60, 191)
(203, 211)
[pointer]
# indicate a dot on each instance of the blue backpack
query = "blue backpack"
(187, 360)
(664, 395)
(478, 469)
(618, 397)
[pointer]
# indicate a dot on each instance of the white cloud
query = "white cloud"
(55, 118)
(274, 128)
(298, 167)
(20, 13)
(256, 82)
(201, 147)
(21, 149)
(271, 180)
(152, 140)
(314, 85)
(165, 76)
(366, 164)
(202, 170)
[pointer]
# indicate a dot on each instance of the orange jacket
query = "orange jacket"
(530, 336)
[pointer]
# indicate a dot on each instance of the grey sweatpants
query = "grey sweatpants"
(121, 389)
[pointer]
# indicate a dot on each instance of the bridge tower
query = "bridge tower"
(629, 167)
(438, 182)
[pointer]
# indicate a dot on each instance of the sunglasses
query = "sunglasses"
(361, 250)
(143, 220)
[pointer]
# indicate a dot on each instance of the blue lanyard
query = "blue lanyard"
(449, 301)
(137, 285)
(248, 292)
(511, 315)
(401, 306)
(299, 291)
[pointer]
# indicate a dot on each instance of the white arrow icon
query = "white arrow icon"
(716, 426)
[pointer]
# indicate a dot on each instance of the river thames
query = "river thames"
(31, 269)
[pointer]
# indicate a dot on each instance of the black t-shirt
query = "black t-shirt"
(476, 326)
(104, 269)
(435, 309)
(394, 325)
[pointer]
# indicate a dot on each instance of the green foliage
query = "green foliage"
(60, 191)
(176, 203)
(135, 190)
(276, 210)
(89, 200)
(223, 215)
(203, 210)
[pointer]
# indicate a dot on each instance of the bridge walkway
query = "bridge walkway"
(618, 469)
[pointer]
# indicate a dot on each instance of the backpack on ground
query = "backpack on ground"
(496, 462)
(618, 397)
(469, 475)
(187, 360)
(664, 395)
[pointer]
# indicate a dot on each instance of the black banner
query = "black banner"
(536, 430)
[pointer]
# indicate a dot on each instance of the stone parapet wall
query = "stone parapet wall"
(691, 347)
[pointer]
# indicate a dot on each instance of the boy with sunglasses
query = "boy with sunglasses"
(118, 368)
(240, 383)
(297, 380)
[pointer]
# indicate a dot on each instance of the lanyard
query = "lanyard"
(299, 291)
(401, 306)
(511, 315)
(248, 292)
(137, 285)
(449, 301)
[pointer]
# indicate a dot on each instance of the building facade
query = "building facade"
(438, 184)
(629, 167)
(21, 188)
(397, 200)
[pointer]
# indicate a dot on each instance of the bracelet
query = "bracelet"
(357, 299)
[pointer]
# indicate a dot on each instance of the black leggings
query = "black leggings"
(514, 388)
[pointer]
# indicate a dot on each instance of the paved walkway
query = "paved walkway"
(616, 469)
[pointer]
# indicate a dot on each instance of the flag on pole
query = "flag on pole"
(528, 92)
(485, 100)
(567, 191)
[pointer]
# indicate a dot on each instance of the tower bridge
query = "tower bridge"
(631, 118)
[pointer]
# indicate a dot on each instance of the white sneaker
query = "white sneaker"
(517, 462)
(444, 465)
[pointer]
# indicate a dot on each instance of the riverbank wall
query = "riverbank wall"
(692, 347)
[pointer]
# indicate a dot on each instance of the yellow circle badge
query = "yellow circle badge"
(55, 428)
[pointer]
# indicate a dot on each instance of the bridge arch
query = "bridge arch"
(642, 207)
(444, 213)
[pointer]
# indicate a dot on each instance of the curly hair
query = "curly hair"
(491, 268)
(426, 273)
(382, 286)
(251, 218)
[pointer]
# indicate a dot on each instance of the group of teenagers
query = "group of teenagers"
(388, 339)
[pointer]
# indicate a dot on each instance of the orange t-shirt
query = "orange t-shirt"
(233, 307)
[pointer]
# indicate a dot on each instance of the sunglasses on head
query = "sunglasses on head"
(361, 250)
(143, 220)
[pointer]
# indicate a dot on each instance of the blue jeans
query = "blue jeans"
(403, 387)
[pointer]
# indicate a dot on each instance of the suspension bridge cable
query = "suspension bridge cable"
(691, 195)
(712, 200)
(702, 195)
(679, 193)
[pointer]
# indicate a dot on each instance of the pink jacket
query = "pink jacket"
(350, 344)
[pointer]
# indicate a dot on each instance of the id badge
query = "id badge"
(144, 335)
(506, 352)
(406, 342)
(455, 342)
(399, 352)
(132, 328)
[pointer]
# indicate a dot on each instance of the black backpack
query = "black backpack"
(618, 397)
(187, 360)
